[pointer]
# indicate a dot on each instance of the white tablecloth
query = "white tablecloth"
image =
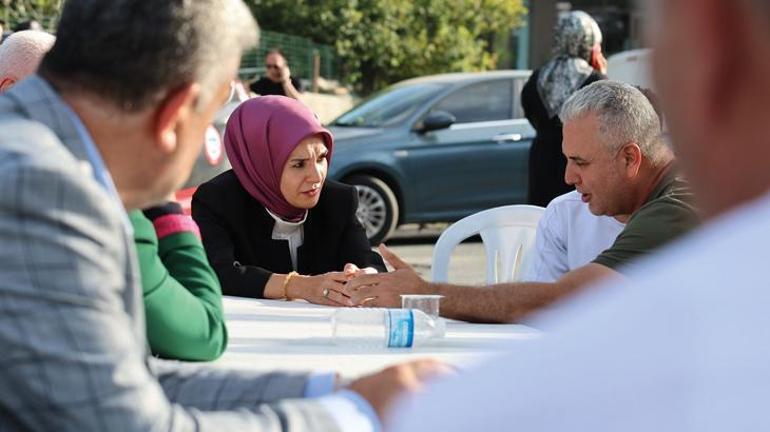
(296, 336)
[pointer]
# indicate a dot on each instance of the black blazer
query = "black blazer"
(237, 234)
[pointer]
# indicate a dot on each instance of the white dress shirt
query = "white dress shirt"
(292, 232)
(569, 236)
(685, 347)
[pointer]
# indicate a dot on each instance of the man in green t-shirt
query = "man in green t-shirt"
(619, 163)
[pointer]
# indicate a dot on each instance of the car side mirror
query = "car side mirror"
(436, 120)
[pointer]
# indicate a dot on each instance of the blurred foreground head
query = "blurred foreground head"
(715, 92)
(134, 52)
(146, 79)
(20, 55)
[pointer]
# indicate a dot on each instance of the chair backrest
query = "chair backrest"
(508, 234)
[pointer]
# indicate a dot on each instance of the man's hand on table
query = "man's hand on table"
(351, 271)
(383, 388)
(385, 289)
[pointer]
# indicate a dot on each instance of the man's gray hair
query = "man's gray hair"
(625, 115)
(133, 52)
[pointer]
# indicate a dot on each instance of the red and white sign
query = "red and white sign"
(184, 198)
(213, 146)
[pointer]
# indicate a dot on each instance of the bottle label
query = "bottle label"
(401, 328)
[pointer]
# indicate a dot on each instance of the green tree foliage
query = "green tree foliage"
(43, 11)
(383, 41)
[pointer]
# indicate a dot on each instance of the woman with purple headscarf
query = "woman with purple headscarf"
(577, 61)
(273, 226)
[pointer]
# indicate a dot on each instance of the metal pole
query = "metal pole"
(316, 69)
(542, 18)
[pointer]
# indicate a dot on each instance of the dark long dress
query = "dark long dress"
(546, 161)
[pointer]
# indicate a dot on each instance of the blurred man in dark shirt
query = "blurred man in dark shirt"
(278, 79)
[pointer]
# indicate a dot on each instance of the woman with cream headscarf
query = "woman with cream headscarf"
(273, 226)
(577, 62)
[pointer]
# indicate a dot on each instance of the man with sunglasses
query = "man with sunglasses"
(278, 79)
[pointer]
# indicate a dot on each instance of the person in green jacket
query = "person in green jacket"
(182, 295)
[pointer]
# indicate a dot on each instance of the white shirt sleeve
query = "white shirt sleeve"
(550, 254)
(351, 412)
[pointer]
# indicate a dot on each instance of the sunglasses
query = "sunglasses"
(271, 66)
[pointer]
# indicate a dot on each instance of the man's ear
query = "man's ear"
(596, 53)
(631, 155)
(175, 109)
(6, 83)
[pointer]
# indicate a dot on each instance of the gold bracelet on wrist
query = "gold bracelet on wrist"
(286, 284)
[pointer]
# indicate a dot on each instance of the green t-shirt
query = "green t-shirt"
(667, 214)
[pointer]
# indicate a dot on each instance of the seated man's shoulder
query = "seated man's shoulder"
(570, 202)
(259, 84)
(29, 145)
(567, 207)
(674, 203)
(569, 198)
(666, 215)
(57, 214)
(679, 194)
(39, 172)
(661, 220)
(23, 136)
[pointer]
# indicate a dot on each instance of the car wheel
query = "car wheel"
(377, 207)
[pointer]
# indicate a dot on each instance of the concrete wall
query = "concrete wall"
(542, 18)
(326, 106)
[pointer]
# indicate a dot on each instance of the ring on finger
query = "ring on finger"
(325, 292)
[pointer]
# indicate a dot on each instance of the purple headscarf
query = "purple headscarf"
(260, 135)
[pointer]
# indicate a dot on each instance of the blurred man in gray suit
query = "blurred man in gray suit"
(113, 122)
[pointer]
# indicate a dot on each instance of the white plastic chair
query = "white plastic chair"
(508, 234)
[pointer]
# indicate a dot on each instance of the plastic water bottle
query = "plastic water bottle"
(388, 328)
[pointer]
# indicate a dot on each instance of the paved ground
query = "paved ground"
(415, 246)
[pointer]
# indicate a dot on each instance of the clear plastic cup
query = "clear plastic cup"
(428, 303)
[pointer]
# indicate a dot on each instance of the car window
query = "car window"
(484, 101)
(389, 106)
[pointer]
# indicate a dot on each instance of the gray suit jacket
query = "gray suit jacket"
(72, 338)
